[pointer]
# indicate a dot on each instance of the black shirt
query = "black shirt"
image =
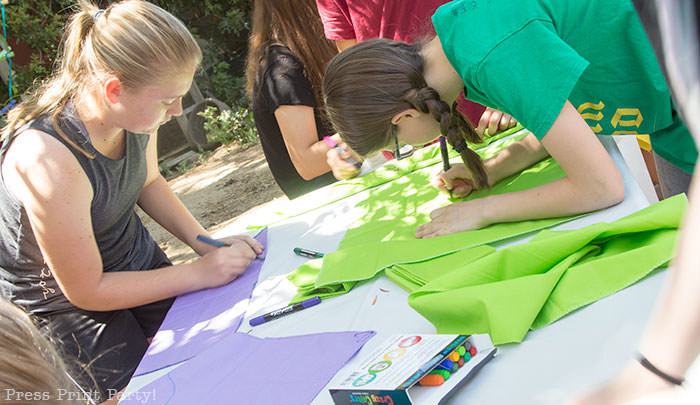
(283, 83)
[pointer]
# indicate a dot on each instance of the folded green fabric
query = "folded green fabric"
(411, 276)
(528, 286)
(305, 276)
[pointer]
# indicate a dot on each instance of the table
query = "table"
(574, 353)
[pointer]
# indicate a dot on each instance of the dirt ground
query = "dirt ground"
(232, 181)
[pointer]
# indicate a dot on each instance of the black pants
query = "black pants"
(109, 345)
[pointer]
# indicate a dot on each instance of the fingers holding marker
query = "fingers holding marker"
(341, 168)
(462, 187)
(458, 179)
(251, 242)
(343, 152)
(242, 244)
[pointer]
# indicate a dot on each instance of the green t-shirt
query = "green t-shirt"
(527, 57)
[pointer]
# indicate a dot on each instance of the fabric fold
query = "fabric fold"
(528, 286)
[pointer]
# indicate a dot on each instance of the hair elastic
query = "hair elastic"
(97, 14)
(461, 147)
(647, 364)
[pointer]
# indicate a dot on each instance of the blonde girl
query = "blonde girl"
(77, 156)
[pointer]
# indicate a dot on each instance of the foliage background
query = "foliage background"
(221, 26)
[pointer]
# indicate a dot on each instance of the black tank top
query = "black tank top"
(123, 241)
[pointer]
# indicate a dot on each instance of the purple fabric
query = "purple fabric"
(243, 369)
(202, 318)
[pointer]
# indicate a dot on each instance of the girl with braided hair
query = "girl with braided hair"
(544, 64)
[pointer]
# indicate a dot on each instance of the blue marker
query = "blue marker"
(211, 241)
(217, 243)
(446, 364)
(289, 309)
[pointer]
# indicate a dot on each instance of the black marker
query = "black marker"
(289, 309)
(445, 158)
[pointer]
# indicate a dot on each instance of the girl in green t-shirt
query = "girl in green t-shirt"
(380, 92)
(542, 64)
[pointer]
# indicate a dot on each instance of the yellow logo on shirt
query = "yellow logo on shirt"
(633, 118)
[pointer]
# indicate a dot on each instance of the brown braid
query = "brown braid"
(456, 129)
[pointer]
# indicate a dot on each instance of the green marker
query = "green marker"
(308, 253)
(444, 373)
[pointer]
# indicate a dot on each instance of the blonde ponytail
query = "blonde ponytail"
(134, 40)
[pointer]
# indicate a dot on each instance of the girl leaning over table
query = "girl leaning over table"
(566, 70)
(77, 155)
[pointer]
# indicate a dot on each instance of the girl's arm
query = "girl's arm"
(58, 207)
(308, 154)
(159, 201)
(592, 182)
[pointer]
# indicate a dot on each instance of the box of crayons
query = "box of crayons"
(408, 369)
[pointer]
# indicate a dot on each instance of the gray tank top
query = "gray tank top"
(123, 241)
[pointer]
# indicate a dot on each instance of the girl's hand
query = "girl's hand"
(457, 217)
(244, 239)
(342, 169)
(223, 265)
(494, 121)
(458, 179)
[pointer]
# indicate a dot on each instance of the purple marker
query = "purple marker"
(278, 313)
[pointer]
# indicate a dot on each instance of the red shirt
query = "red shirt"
(400, 20)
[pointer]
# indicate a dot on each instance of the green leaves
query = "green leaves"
(230, 125)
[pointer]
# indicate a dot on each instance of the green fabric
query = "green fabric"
(594, 53)
(528, 286)
(394, 210)
(411, 276)
(304, 278)
(424, 157)
(384, 235)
